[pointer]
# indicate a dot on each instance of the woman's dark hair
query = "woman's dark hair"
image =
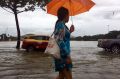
(61, 13)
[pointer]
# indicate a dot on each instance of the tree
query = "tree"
(18, 6)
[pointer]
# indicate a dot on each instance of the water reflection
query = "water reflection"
(90, 62)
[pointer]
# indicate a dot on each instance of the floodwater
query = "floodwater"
(90, 62)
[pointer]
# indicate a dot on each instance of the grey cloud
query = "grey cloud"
(95, 21)
(107, 2)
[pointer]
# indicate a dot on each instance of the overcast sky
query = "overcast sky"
(103, 17)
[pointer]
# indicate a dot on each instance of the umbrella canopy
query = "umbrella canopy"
(74, 6)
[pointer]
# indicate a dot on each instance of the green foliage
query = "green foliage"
(22, 5)
(110, 35)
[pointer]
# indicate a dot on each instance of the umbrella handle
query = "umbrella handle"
(71, 11)
(72, 19)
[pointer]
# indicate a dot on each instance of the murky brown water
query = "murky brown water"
(90, 62)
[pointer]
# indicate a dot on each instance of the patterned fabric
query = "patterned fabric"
(62, 35)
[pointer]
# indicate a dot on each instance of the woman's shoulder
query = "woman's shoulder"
(60, 24)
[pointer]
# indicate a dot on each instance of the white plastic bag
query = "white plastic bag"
(53, 48)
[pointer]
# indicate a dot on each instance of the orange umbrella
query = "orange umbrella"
(74, 6)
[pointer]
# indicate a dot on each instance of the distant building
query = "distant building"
(4, 37)
(118, 36)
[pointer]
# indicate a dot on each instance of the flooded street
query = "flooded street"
(90, 62)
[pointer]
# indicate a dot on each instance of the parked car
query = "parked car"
(35, 42)
(112, 45)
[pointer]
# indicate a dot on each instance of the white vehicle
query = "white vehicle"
(112, 45)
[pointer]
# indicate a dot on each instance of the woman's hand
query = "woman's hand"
(72, 28)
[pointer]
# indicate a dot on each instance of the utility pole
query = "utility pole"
(108, 28)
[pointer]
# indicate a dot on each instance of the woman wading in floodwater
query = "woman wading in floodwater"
(62, 35)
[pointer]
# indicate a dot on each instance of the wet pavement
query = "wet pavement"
(90, 62)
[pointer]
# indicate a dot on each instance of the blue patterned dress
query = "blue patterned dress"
(62, 35)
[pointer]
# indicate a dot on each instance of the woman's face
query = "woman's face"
(66, 18)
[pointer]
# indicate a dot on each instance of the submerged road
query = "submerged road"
(90, 62)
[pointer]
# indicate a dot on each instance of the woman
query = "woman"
(62, 35)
